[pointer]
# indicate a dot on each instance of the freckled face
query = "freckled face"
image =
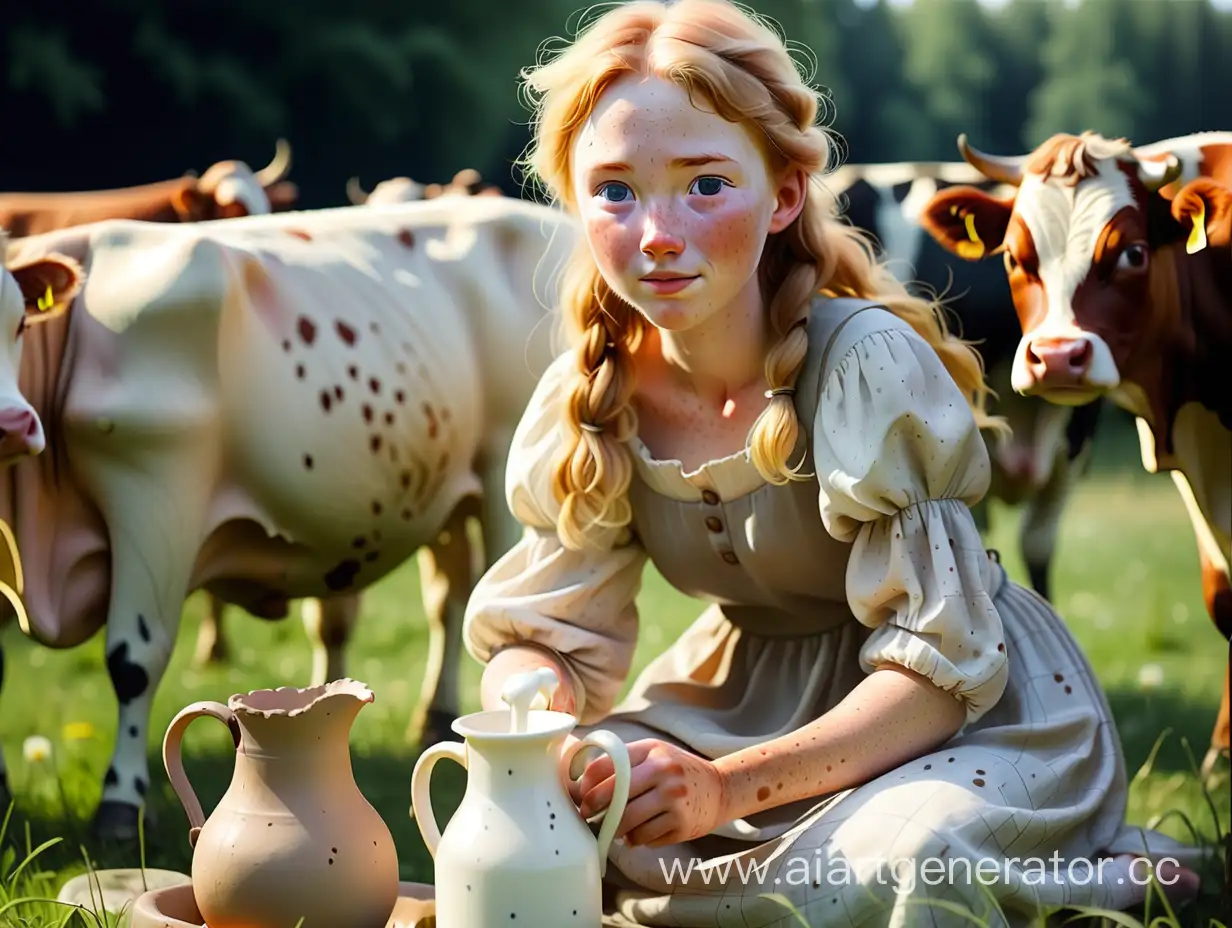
(676, 202)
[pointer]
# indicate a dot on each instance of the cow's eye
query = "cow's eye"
(21, 327)
(1133, 258)
(1011, 263)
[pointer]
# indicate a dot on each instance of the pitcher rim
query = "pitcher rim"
(565, 723)
(310, 696)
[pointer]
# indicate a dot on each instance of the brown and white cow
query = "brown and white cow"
(1121, 272)
(227, 189)
(267, 408)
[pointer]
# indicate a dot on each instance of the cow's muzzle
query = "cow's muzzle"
(1059, 369)
(21, 434)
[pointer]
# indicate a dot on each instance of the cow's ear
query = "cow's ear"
(191, 204)
(1204, 210)
(282, 195)
(48, 285)
(967, 222)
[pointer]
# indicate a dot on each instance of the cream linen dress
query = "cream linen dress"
(874, 559)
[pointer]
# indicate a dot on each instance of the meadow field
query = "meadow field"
(1126, 580)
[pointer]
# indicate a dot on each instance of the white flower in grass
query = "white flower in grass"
(1150, 676)
(36, 749)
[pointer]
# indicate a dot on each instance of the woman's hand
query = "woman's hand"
(674, 795)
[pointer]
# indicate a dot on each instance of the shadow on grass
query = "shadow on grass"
(383, 779)
(1141, 717)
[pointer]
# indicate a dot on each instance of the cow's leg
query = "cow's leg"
(1218, 595)
(1041, 520)
(447, 576)
(501, 531)
(979, 512)
(147, 597)
(329, 623)
(1218, 598)
(154, 516)
(211, 638)
(142, 621)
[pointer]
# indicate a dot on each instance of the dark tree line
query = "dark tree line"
(98, 93)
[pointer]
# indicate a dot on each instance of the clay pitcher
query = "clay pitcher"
(293, 837)
(517, 851)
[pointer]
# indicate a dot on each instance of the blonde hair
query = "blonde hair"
(729, 57)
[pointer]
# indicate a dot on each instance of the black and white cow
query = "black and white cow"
(1050, 446)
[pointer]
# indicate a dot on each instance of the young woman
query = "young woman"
(756, 407)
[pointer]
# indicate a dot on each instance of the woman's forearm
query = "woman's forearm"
(893, 716)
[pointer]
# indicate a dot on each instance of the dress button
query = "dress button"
(714, 524)
(710, 497)
(730, 557)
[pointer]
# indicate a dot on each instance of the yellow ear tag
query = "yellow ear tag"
(47, 300)
(975, 248)
(974, 236)
(1197, 236)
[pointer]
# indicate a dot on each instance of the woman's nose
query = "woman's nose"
(658, 241)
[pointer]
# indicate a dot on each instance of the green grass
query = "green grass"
(1127, 581)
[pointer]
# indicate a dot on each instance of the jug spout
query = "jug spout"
(287, 720)
(290, 701)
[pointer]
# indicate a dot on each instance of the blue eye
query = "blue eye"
(615, 185)
(709, 186)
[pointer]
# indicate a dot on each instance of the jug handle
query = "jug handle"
(175, 764)
(421, 784)
(615, 748)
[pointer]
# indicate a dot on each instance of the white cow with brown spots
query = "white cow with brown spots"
(330, 622)
(266, 408)
(466, 182)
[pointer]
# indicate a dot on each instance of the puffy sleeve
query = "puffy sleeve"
(900, 461)
(579, 605)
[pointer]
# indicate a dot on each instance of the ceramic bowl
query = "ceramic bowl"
(174, 907)
(113, 891)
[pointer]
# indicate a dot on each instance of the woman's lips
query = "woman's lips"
(667, 284)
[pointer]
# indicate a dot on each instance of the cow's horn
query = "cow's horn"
(1004, 168)
(1159, 172)
(355, 193)
(277, 169)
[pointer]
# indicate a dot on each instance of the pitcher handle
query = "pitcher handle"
(615, 748)
(175, 764)
(421, 789)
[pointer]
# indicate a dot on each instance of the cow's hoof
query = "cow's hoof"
(436, 728)
(1211, 760)
(117, 821)
(6, 798)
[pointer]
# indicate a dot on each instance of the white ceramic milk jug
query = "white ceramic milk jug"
(517, 852)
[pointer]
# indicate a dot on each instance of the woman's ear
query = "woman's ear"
(789, 199)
